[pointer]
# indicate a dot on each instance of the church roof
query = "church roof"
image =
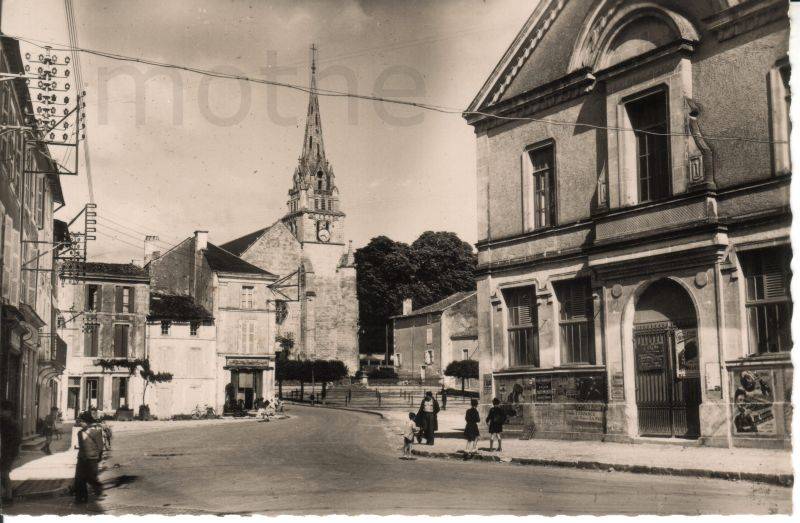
(238, 246)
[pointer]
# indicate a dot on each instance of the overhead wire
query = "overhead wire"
(373, 98)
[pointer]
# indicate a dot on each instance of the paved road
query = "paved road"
(327, 461)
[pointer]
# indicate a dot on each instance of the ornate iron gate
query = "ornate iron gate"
(667, 405)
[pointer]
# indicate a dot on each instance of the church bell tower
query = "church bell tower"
(314, 215)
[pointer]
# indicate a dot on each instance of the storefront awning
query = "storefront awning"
(252, 363)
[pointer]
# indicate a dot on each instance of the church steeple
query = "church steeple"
(313, 207)
(313, 147)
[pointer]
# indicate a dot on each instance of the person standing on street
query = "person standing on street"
(496, 418)
(444, 398)
(409, 429)
(10, 441)
(427, 417)
(49, 428)
(471, 431)
(90, 452)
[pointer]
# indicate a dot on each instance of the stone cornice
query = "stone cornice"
(745, 17)
(526, 104)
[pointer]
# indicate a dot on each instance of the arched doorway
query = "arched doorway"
(666, 350)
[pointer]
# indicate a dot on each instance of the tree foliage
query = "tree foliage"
(434, 266)
(463, 369)
(142, 365)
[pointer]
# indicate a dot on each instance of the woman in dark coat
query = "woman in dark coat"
(427, 417)
(471, 431)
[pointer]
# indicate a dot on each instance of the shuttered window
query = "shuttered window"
(93, 294)
(124, 299)
(523, 341)
(768, 300)
(247, 336)
(91, 335)
(121, 332)
(576, 321)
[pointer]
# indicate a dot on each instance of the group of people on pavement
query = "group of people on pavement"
(424, 424)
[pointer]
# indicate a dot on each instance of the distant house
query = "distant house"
(426, 340)
(181, 340)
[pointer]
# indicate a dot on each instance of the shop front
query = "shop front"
(251, 380)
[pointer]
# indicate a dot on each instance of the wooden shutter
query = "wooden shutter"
(87, 340)
(118, 296)
(775, 284)
(100, 381)
(251, 336)
(115, 393)
(574, 297)
(120, 341)
(131, 299)
(526, 170)
(520, 306)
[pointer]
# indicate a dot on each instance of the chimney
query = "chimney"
(407, 306)
(150, 249)
(200, 240)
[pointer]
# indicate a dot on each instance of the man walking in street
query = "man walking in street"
(444, 398)
(90, 452)
(427, 418)
(50, 422)
(9, 447)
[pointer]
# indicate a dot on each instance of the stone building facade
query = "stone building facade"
(426, 340)
(307, 250)
(32, 357)
(104, 316)
(634, 222)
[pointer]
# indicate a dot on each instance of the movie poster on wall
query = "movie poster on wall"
(753, 399)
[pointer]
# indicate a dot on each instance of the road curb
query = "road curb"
(334, 407)
(63, 490)
(783, 480)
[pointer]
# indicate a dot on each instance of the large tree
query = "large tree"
(434, 266)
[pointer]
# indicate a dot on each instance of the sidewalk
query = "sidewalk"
(761, 465)
(45, 476)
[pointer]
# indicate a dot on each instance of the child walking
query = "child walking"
(409, 428)
(471, 430)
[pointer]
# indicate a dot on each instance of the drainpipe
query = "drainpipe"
(721, 352)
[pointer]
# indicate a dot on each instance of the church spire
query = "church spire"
(313, 147)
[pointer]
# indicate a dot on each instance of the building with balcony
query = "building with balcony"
(633, 177)
(30, 361)
(103, 317)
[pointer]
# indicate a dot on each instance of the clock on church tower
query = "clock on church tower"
(313, 213)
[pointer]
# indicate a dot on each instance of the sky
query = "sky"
(172, 151)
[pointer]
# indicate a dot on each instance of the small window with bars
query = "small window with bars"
(523, 336)
(575, 320)
(768, 300)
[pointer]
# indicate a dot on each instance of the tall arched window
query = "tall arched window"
(320, 181)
